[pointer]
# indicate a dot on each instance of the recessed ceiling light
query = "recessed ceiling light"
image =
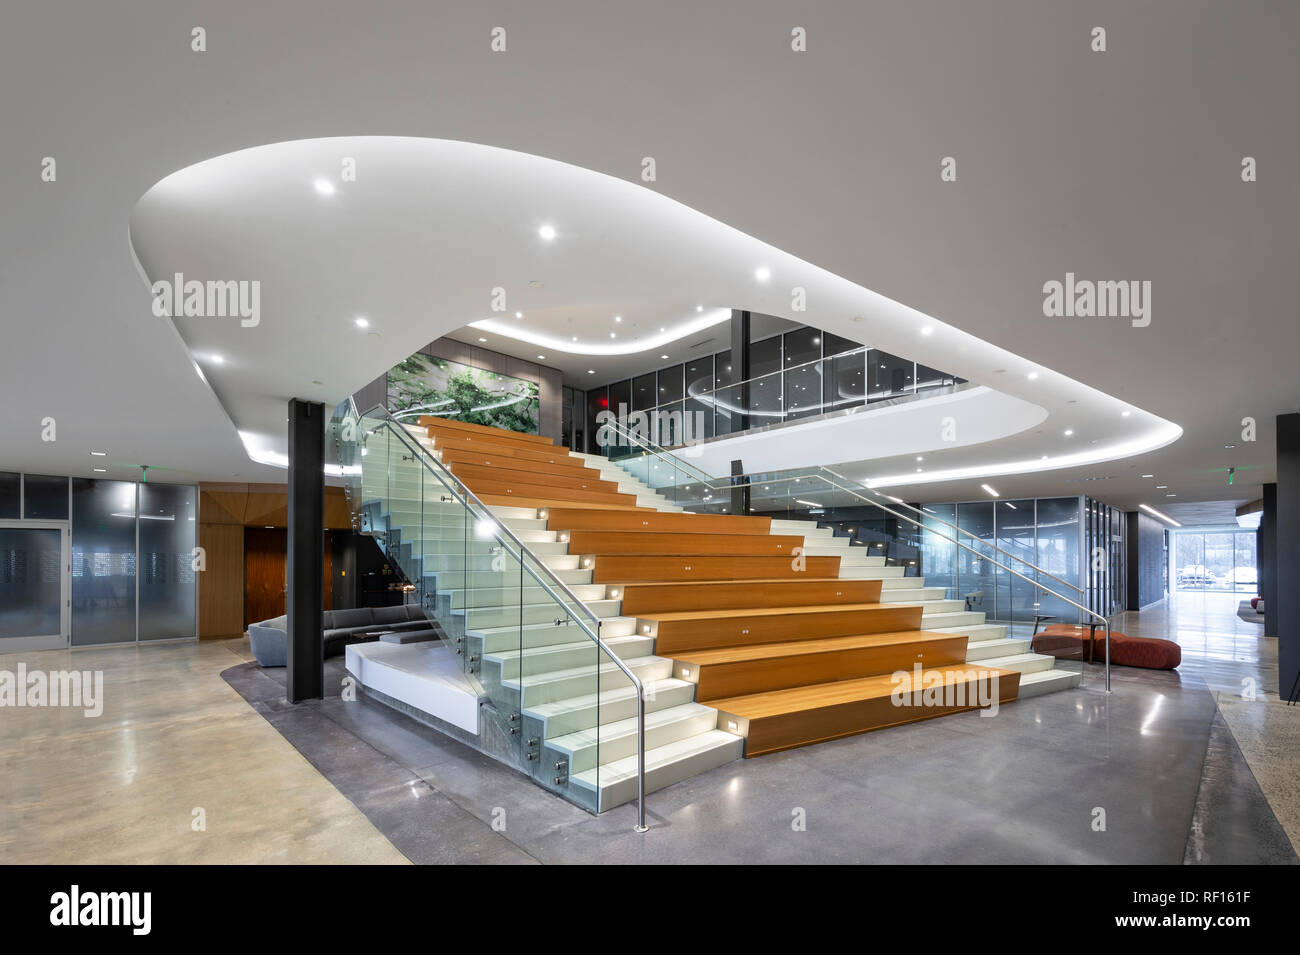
(1148, 475)
(662, 329)
(1171, 495)
(926, 330)
(920, 457)
(100, 470)
(1125, 414)
(482, 339)
(324, 187)
(1161, 487)
(664, 357)
(990, 490)
(1069, 431)
(100, 454)
(762, 273)
(575, 338)
(1044, 457)
(547, 232)
(1228, 447)
(541, 358)
(591, 371)
(216, 359)
(362, 322)
(699, 308)
(519, 314)
(919, 470)
(612, 335)
(1032, 375)
(618, 318)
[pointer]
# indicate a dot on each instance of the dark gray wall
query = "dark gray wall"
(549, 380)
(1145, 561)
(1266, 559)
(1287, 560)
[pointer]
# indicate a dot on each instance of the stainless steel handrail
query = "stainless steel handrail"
(970, 534)
(675, 462)
(426, 458)
(1092, 613)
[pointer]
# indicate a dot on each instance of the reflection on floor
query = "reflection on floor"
(357, 782)
(173, 738)
(1218, 646)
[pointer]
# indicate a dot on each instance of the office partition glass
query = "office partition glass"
(166, 561)
(45, 497)
(103, 561)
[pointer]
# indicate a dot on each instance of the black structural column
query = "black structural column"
(306, 558)
(1287, 562)
(1266, 559)
(740, 366)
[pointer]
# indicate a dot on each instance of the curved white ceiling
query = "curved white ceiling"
(430, 231)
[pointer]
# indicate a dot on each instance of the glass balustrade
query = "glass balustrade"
(552, 694)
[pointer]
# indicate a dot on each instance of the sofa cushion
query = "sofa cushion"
(351, 619)
(415, 612)
(383, 616)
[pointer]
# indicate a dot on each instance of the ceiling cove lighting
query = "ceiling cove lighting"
(1156, 437)
(547, 232)
(988, 490)
(1164, 517)
(685, 327)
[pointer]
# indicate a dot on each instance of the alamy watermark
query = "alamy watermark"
(76, 689)
(1084, 298)
(214, 298)
(635, 428)
(974, 686)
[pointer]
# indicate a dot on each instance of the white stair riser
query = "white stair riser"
(624, 744)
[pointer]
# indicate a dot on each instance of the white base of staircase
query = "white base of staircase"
(428, 677)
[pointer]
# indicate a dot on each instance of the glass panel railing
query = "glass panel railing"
(552, 692)
(970, 566)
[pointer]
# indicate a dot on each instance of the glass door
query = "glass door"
(34, 585)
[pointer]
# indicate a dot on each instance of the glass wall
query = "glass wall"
(797, 374)
(1222, 561)
(103, 561)
(1047, 532)
(166, 561)
(31, 583)
(132, 561)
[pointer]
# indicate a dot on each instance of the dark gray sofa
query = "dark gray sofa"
(269, 641)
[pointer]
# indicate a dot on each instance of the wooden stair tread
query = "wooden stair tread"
(563, 518)
(762, 651)
(795, 699)
(767, 611)
(585, 479)
(523, 500)
(674, 544)
(434, 422)
(624, 569)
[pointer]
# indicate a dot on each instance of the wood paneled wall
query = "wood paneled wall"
(225, 509)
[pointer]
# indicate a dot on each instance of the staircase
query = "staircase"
(750, 635)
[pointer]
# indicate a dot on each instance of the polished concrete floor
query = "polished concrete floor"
(1178, 766)
(173, 738)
